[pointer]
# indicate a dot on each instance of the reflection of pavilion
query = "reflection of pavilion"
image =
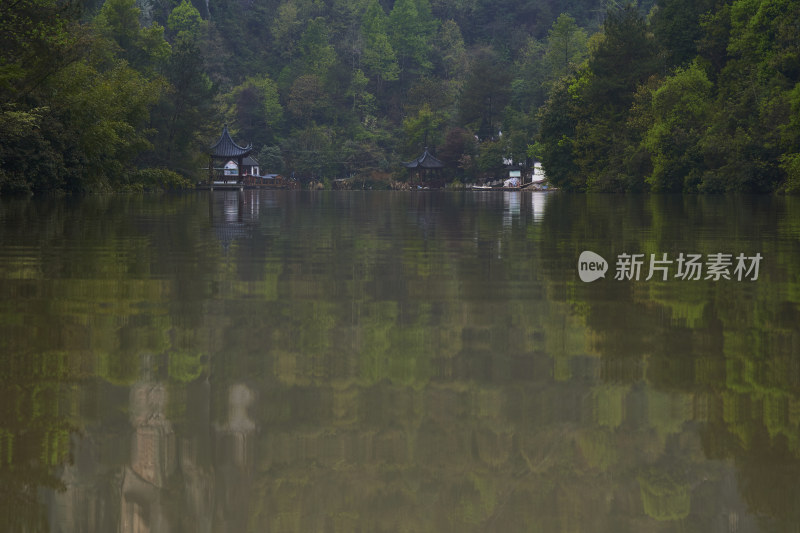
(233, 213)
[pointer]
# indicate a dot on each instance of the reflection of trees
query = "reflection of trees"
(34, 431)
(80, 302)
(410, 361)
(724, 351)
(664, 498)
(768, 473)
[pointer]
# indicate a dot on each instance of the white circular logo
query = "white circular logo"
(591, 266)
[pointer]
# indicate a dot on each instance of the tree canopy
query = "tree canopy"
(664, 96)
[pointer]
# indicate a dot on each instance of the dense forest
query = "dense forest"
(664, 95)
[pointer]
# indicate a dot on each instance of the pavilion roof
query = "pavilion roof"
(225, 147)
(426, 160)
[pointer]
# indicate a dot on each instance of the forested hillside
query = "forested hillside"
(671, 95)
(701, 96)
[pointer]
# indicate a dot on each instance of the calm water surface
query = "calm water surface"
(368, 362)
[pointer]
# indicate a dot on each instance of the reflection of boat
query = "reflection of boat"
(269, 181)
(494, 188)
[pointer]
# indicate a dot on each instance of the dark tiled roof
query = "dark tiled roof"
(225, 147)
(426, 160)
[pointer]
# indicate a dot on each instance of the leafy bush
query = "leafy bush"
(154, 179)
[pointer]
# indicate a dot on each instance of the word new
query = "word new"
(591, 266)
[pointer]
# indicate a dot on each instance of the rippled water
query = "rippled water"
(376, 361)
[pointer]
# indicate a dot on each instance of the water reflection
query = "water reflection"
(235, 462)
(393, 361)
(511, 206)
(538, 204)
(233, 214)
(152, 461)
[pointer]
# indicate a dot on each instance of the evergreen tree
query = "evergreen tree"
(486, 94)
(181, 124)
(680, 111)
(566, 47)
(676, 25)
(624, 58)
(379, 58)
(411, 27)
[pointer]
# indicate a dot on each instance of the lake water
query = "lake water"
(387, 362)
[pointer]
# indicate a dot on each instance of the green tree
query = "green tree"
(272, 109)
(681, 107)
(565, 48)
(307, 99)
(286, 29)
(528, 90)
(255, 108)
(39, 38)
(490, 158)
(558, 119)
(411, 27)
(316, 53)
(312, 152)
(98, 97)
(624, 58)
(186, 18)
(144, 48)
(270, 160)
(363, 100)
(423, 129)
(754, 125)
(378, 57)
(458, 145)
(187, 106)
(182, 121)
(108, 113)
(790, 160)
(676, 25)
(452, 52)
(486, 93)
(38, 41)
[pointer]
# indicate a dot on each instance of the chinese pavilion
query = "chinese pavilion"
(423, 165)
(226, 149)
